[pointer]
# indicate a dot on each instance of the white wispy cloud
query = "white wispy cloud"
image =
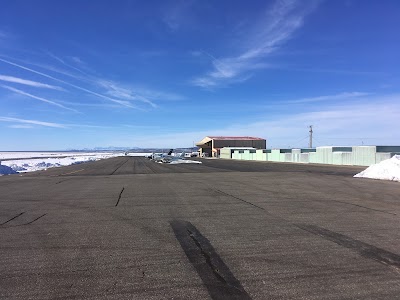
(157, 95)
(341, 96)
(121, 102)
(36, 97)
(21, 126)
(76, 60)
(116, 91)
(278, 26)
(64, 72)
(88, 104)
(119, 93)
(24, 123)
(373, 120)
(333, 71)
(32, 122)
(29, 82)
(137, 94)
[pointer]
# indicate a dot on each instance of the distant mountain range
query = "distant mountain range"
(110, 148)
(114, 148)
(134, 149)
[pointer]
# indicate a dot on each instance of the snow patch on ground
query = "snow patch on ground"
(386, 170)
(30, 165)
(36, 161)
(14, 155)
(139, 154)
(184, 161)
(19, 155)
(6, 170)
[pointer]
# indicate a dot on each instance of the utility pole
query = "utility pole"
(310, 142)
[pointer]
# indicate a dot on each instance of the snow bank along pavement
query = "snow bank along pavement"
(6, 170)
(386, 170)
(23, 162)
(184, 161)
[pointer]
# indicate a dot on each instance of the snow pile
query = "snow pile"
(184, 161)
(17, 162)
(386, 170)
(25, 155)
(139, 154)
(19, 155)
(6, 170)
(30, 165)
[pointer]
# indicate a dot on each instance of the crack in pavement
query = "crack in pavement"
(12, 218)
(120, 195)
(226, 194)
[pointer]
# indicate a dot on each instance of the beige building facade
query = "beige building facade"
(210, 146)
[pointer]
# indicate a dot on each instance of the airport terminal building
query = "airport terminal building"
(211, 145)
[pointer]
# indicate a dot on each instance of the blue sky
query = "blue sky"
(81, 74)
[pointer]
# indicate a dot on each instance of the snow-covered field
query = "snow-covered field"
(386, 170)
(18, 162)
(10, 155)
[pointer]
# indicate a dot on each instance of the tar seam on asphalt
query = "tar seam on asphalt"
(215, 274)
(12, 218)
(150, 167)
(119, 167)
(226, 194)
(63, 180)
(28, 223)
(366, 250)
(119, 197)
(34, 219)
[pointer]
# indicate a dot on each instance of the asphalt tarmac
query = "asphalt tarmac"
(129, 228)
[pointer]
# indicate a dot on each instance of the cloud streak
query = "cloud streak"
(21, 126)
(36, 97)
(24, 123)
(278, 26)
(32, 122)
(341, 96)
(29, 82)
(120, 94)
(117, 91)
(121, 102)
(75, 59)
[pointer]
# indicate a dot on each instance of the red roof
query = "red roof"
(242, 138)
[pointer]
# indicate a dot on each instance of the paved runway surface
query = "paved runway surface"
(129, 228)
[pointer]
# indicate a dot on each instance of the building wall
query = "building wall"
(207, 148)
(357, 155)
(258, 144)
(212, 147)
(226, 153)
(364, 155)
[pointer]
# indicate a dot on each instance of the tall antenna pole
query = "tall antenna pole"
(310, 142)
